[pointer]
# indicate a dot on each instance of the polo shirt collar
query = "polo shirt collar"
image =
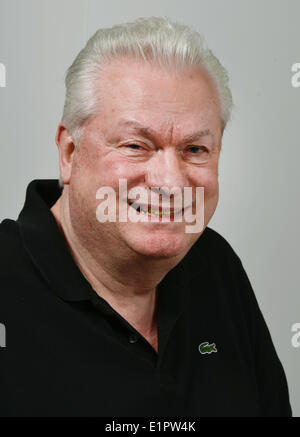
(45, 244)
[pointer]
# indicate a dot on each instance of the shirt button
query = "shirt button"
(133, 338)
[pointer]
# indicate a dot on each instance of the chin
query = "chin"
(159, 246)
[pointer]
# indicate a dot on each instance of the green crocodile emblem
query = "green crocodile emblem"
(206, 348)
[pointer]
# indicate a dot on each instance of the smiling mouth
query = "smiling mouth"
(156, 212)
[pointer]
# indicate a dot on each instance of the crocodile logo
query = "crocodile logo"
(206, 348)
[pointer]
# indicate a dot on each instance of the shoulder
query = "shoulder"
(13, 260)
(10, 239)
(214, 250)
(214, 265)
(215, 241)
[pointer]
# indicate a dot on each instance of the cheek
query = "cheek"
(83, 184)
(91, 169)
(113, 167)
(212, 187)
(207, 178)
(83, 165)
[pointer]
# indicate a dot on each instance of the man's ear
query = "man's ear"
(66, 150)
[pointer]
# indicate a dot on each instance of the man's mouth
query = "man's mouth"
(156, 211)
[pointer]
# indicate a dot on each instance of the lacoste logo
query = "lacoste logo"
(206, 348)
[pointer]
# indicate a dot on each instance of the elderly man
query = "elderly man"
(134, 317)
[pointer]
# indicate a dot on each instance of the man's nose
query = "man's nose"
(166, 169)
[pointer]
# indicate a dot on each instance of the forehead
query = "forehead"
(158, 97)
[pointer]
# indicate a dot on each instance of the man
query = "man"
(123, 317)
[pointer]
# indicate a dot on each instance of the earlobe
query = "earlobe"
(66, 149)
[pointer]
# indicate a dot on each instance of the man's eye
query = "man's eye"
(197, 154)
(196, 149)
(133, 150)
(134, 146)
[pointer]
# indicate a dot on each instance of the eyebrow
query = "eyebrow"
(150, 133)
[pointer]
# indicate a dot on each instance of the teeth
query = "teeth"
(159, 213)
(156, 212)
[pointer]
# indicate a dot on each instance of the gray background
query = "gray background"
(257, 41)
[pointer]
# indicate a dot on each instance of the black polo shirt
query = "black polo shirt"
(67, 352)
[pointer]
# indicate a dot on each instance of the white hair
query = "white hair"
(154, 39)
